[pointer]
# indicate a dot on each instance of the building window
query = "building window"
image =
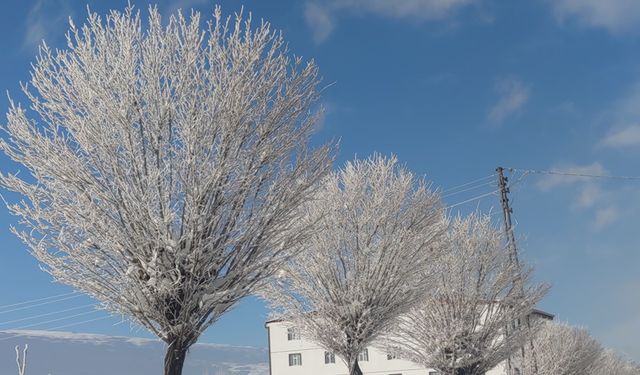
(517, 371)
(295, 359)
(363, 356)
(293, 334)
(329, 358)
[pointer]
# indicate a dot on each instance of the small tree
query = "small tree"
(165, 165)
(610, 363)
(21, 360)
(563, 350)
(471, 322)
(369, 260)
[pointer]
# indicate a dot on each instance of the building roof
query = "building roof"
(541, 313)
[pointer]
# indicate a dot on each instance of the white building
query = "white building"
(291, 354)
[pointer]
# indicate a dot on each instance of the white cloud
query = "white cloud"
(605, 217)
(513, 94)
(622, 118)
(319, 20)
(629, 136)
(421, 9)
(321, 16)
(44, 19)
(185, 6)
(552, 181)
(589, 196)
(615, 16)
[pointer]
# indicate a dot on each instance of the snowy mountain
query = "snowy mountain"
(65, 353)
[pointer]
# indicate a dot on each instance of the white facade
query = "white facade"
(291, 354)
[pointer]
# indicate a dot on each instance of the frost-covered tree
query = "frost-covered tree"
(563, 350)
(163, 165)
(472, 320)
(369, 260)
(610, 363)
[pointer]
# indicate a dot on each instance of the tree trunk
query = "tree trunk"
(354, 368)
(468, 370)
(174, 358)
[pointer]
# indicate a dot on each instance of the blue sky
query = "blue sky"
(454, 88)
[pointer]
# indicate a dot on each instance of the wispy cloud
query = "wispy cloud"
(605, 217)
(629, 136)
(44, 19)
(589, 195)
(321, 15)
(513, 94)
(615, 16)
(320, 21)
(622, 120)
(185, 6)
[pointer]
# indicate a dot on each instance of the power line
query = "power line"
(573, 174)
(78, 323)
(468, 183)
(56, 320)
(75, 295)
(59, 327)
(38, 300)
(468, 189)
(472, 199)
(46, 314)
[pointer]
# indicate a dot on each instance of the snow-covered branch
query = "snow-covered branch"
(369, 261)
(610, 363)
(162, 166)
(563, 350)
(477, 314)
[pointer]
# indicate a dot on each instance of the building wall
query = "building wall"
(313, 358)
(313, 362)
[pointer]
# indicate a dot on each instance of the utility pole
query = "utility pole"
(506, 212)
(513, 253)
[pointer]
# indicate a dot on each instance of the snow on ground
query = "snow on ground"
(67, 353)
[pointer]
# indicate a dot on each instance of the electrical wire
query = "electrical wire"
(472, 199)
(76, 295)
(573, 174)
(38, 300)
(54, 320)
(468, 183)
(46, 314)
(469, 189)
(78, 323)
(59, 327)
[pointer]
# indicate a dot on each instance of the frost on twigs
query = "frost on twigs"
(564, 350)
(165, 164)
(369, 260)
(610, 363)
(476, 315)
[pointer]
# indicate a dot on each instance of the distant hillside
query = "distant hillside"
(65, 353)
